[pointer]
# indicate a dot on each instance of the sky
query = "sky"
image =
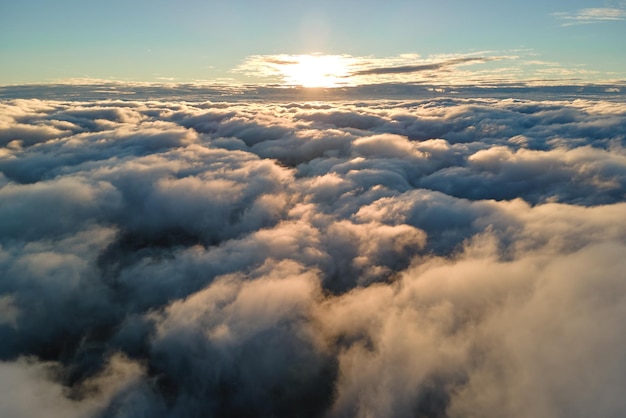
(228, 41)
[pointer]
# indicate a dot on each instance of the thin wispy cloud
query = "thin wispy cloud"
(480, 68)
(404, 69)
(346, 70)
(592, 15)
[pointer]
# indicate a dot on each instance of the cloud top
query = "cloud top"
(423, 257)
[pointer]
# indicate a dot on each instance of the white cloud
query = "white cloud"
(591, 15)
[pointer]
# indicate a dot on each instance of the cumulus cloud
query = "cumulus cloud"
(433, 257)
(28, 390)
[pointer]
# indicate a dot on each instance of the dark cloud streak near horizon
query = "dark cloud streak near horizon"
(447, 257)
(404, 69)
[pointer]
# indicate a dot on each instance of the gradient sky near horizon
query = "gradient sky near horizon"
(219, 41)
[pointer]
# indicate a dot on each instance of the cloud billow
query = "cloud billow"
(388, 258)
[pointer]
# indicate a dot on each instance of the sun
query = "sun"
(316, 71)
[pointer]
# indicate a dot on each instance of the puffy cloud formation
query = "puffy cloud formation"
(447, 257)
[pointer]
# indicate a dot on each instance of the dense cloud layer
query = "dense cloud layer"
(431, 258)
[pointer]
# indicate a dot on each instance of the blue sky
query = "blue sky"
(192, 40)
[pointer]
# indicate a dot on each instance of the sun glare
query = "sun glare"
(316, 71)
